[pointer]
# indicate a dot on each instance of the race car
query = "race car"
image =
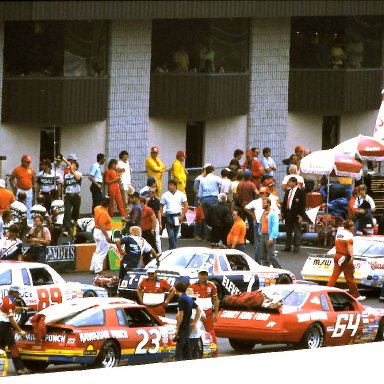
(101, 332)
(232, 271)
(41, 286)
(308, 315)
(368, 259)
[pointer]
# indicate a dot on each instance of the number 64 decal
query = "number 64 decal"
(153, 336)
(345, 321)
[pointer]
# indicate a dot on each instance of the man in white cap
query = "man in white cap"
(7, 323)
(151, 292)
(6, 197)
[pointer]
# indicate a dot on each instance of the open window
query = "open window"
(237, 263)
(138, 317)
(341, 302)
(40, 276)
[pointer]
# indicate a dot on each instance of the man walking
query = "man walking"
(101, 234)
(173, 206)
(293, 213)
(96, 178)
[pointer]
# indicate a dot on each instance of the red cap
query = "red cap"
(248, 153)
(26, 158)
(269, 183)
(264, 190)
(299, 148)
(154, 150)
(180, 154)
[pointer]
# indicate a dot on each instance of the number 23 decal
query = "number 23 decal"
(346, 321)
(153, 336)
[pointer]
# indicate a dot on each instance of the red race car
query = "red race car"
(101, 332)
(311, 316)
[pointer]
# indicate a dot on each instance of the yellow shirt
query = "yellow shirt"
(179, 174)
(154, 168)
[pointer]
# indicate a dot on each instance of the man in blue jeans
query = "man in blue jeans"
(184, 323)
(173, 206)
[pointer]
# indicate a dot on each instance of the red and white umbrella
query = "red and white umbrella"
(365, 147)
(327, 162)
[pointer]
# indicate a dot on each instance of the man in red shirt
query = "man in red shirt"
(7, 322)
(101, 234)
(256, 168)
(148, 227)
(6, 197)
(206, 297)
(151, 292)
(25, 180)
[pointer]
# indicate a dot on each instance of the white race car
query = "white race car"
(41, 286)
(368, 260)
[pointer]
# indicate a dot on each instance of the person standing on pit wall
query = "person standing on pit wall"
(179, 173)
(343, 260)
(7, 324)
(155, 168)
(101, 234)
(206, 299)
(173, 206)
(96, 178)
(6, 197)
(124, 170)
(25, 180)
(46, 181)
(151, 292)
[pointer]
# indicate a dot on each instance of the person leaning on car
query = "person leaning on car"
(343, 259)
(7, 322)
(151, 292)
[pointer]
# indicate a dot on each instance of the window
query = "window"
(237, 263)
(87, 318)
(6, 277)
(324, 303)
(200, 45)
(121, 318)
(330, 131)
(341, 302)
(55, 48)
(49, 143)
(223, 264)
(25, 275)
(336, 42)
(137, 317)
(40, 276)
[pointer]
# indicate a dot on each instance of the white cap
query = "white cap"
(14, 288)
(151, 269)
(203, 269)
(72, 156)
(2, 183)
(206, 165)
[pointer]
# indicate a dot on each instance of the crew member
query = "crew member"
(206, 298)
(179, 173)
(155, 168)
(7, 322)
(151, 292)
(10, 246)
(343, 260)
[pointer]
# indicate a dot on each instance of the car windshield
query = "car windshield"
(185, 260)
(369, 248)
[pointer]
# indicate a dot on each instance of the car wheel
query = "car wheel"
(35, 365)
(21, 316)
(242, 345)
(380, 331)
(109, 355)
(90, 294)
(313, 337)
(284, 278)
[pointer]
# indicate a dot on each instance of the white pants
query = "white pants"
(28, 204)
(157, 236)
(101, 251)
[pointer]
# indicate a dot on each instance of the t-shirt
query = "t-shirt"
(154, 203)
(343, 238)
(10, 249)
(186, 304)
(239, 228)
(95, 172)
(24, 177)
(71, 185)
(101, 216)
(47, 181)
(173, 202)
(126, 175)
(146, 219)
(58, 205)
(6, 199)
(134, 247)
(135, 215)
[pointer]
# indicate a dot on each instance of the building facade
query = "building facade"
(206, 77)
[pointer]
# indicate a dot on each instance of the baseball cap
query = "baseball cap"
(206, 165)
(299, 148)
(72, 156)
(27, 158)
(135, 194)
(264, 190)
(14, 288)
(154, 150)
(2, 183)
(248, 153)
(247, 172)
(151, 269)
(269, 183)
(203, 270)
(181, 154)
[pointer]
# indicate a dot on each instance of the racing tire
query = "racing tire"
(109, 355)
(313, 337)
(380, 331)
(242, 345)
(90, 293)
(36, 365)
(284, 278)
(21, 317)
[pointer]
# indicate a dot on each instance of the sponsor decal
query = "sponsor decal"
(245, 315)
(102, 335)
(90, 351)
(376, 265)
(303, 317)
(271, 324)
(325, 263)
(346, 321)
(71, 340)
(49, 338)
(230, 286)
(61, 253)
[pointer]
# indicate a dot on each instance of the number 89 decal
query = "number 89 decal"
(48, 297)
(153, 336)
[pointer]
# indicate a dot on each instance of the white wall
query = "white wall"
(353, 124)
(85, 140)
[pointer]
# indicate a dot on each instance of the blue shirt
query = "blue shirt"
(266, 164)
(273, 224)
(186, 304)
(209, 186)
(95, 172)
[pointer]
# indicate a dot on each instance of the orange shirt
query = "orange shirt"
(111, 174)
(264, 223)
(239, 229)
(155, 286)
(146, 218)
(343, 238)
(102, 217)
(6, 199)
(24, 177)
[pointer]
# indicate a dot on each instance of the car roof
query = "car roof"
(204, 250)
(302, 288)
